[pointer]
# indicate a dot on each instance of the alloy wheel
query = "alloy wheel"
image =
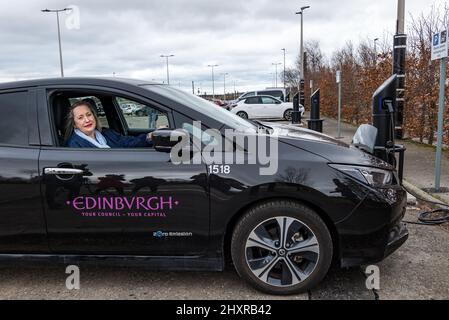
(282, 251)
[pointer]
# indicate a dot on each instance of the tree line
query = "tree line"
(364, 69)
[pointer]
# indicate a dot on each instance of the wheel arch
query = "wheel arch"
(226, 244)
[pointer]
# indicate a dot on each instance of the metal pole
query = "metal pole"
(168, 73)
(375, 50)
(276, 73)
(339, 108)
(440, 124)
(283, 78)
(302, 77)
(302, 45)
(213, 84)
(166, 59)
(213, 79)
(399, 53)
(59, 35)
(235, 92)
(60, 47)
(400, 25)
(224, 86)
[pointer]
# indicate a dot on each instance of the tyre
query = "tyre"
(140, 113)
(282, 248)
(242, 114)
(288, 115)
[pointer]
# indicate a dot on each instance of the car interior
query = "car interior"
(109, 110)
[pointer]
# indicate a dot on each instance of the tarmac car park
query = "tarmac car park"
(327, 202)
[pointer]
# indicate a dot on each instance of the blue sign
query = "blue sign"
(436, 39)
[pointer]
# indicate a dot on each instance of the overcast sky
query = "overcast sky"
(127, 37)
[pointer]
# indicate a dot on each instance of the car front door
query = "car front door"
(126, 201)
(272, 108)
(254, 107)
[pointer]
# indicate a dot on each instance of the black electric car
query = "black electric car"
(327, 201)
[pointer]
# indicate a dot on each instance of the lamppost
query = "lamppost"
(57, 11)
(301, 85)
(212, 66)
(276, 73)
(224, 84)
(283, 78)
(399, 68)
(375, 50)
(166, 57)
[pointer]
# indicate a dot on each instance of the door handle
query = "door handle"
(63, 171)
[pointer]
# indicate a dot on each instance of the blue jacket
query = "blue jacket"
(114, 140)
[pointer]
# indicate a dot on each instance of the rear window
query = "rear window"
(14, 119)
(276, 94)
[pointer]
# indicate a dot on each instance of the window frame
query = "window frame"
(50, 92)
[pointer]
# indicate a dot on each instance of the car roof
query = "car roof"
(74, 81)
(262, 96)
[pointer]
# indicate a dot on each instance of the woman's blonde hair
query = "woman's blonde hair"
(70, 119)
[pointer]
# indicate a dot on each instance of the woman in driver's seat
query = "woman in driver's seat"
(83, 130)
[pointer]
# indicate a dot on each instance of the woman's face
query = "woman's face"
(84, 120)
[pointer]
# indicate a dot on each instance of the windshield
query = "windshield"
(201, 105)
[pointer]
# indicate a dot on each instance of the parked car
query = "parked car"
(327, 201)
(141, 111)
(279, 93)
(127, 109)
(264, 107)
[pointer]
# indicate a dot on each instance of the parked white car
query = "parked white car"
(265, 107)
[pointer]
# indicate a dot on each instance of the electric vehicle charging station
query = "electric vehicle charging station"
(384, 109)
(315, 123)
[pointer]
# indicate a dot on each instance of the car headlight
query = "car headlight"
(374, 177)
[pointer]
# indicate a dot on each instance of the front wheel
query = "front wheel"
(282, 247)
(242, 114)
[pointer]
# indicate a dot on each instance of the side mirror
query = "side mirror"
(165, 139)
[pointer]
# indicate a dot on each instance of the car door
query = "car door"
(272, 107)
(22, 222)
(254, 108)
(122, 201)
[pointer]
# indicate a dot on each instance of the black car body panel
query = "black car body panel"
(38, 220)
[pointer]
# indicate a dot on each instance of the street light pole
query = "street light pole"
(375, 50)
(301, 85)
(224, 84)
(283, 78)
(212, 66)
(57, 11)
(399, 68)
(166, 57)
(276, 73)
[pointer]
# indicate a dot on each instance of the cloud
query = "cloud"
(243, 37)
